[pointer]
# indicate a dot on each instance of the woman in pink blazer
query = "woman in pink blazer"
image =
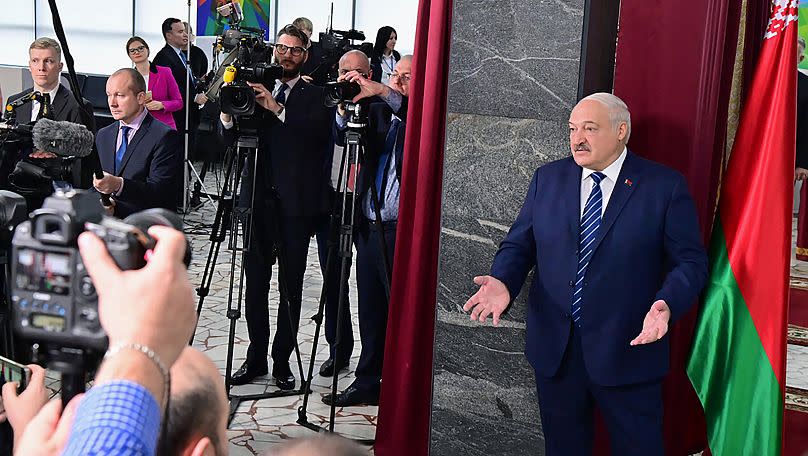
(163, 96)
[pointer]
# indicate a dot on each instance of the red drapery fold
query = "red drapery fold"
(677, 86)
(404, 411)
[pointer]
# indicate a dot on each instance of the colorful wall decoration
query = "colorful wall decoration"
(209, 23)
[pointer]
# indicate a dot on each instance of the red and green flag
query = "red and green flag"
(738, 360)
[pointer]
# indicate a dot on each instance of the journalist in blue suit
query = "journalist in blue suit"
(140, 156)
(618, 256)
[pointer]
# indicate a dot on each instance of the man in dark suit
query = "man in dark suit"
(294, 130)
(801, 172)
(140, 155)
(610, 235)
(45, 64)
(381, 169)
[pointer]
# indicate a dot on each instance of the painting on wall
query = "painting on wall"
(209, 22)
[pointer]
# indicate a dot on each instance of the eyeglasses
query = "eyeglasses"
(403, 77)
(137, 49)
(344, 71)
(295, 50)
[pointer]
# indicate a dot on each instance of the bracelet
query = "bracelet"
(149, 354)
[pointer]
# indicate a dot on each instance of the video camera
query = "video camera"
(248, 61)
(335, 43)
(53, 299)
(34, 177)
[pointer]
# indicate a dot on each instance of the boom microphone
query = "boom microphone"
(65, 139)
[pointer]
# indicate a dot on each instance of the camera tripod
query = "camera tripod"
(231, 216)
(340, 245)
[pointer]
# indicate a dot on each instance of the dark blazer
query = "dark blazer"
(648, 248)
(199, 62)
(376, 65)
(802, 120)
(168, 58)
(292, 153)
(150, 168)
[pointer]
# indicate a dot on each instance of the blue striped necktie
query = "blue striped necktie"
(122, 148)
(590, 223)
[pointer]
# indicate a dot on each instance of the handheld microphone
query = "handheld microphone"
(65, 139)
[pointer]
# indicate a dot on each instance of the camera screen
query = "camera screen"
(43, 271)
(48, 322)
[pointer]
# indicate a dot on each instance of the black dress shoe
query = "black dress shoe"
(354, 396)
(247, 373)
(285, 382)
(327, 369)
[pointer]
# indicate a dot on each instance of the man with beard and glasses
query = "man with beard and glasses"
(294, 131)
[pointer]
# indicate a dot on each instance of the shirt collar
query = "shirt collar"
(137, 122)
(291, 83)
(612, 171)
(52, 93)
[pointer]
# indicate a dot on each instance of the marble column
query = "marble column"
(513, 81)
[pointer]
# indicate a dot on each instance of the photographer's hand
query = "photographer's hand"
(264, 98)
(152, 306)
(41, 154)
(22, 408)
(369, 88)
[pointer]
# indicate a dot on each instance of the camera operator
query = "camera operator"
(382, 169)
(152, 307)
(45, 64)
(294, 131)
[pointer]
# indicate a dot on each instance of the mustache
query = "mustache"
(581, 147)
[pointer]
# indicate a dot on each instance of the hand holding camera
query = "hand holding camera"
(264, 98)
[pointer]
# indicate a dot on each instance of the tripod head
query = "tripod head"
(357, 115)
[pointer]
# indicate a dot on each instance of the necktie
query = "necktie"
(590, 223)
(184, 58)
(122, 148)
(44, 107)
(280, 98)
(384, 160)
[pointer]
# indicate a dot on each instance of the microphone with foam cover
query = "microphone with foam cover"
(65, 139)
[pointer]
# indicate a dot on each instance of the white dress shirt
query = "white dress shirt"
(612, 172)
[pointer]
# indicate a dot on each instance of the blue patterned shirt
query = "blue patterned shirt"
(117, 418)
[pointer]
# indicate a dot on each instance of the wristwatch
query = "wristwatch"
(278, 113)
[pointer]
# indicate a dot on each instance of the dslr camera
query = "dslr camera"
(53, 298)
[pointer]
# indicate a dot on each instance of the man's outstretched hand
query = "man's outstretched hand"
(491, 299)
(655, 325)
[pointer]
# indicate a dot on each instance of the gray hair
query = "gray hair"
(801, 44)
(618, 111)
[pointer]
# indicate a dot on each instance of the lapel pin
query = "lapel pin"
(628, 182)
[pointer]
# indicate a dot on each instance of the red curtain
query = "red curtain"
(404, 410)
(674, 69)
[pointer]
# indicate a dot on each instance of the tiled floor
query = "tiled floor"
(260, 424)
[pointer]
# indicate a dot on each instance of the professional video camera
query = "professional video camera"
(248, 60)
(334, 44)
(53, 299)
(34, 177)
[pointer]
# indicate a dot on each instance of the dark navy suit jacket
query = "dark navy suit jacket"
(151, 166)
(293, 153)
(648, 247)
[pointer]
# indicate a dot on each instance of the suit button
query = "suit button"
(572, 284)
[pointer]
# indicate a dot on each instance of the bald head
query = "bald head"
(198, 407)
(355, 60)
(319, 445)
